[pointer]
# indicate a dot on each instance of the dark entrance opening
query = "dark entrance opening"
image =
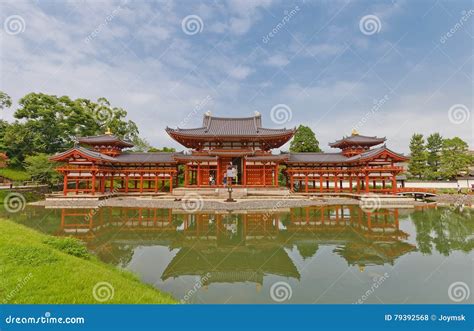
(237, 162)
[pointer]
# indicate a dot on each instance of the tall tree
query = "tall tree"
(434, 145)
(417, 164)
(164, 149)
(57, 120)
(41, 169)
(5, 100)
(304, 141)
(455, 158)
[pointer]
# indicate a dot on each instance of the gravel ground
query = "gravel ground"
(454, 199)
(196, 204)
(206, 204)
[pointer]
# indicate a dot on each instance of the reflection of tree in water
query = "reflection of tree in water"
(446, 230)
(307, 249)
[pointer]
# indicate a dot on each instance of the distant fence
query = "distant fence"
(440, 184)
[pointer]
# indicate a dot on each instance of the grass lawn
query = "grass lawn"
(14, 174)
(36, 268)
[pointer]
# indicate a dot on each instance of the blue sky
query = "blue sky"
(400, 75)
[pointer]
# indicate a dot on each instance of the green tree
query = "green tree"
(434, 145)
(164, 149)
(19, 140)
(455, 158)
(55, 121)
(417, 164)
(304, 141)
(140, 145)
(41, 169)
(5, 100)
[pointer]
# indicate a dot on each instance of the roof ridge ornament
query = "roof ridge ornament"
(108, 132)
(355, 132)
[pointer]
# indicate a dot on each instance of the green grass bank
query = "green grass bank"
(36, 268)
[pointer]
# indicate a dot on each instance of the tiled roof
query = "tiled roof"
(84, 151)
(104, 139)
(161, 157)
(374, 152)
(122, 158)
(317, 158)
(357, 139)
(339, 157)
(230, 126)
(281, 157)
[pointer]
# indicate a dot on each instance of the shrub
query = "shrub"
(68, 245)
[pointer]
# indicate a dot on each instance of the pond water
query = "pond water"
(330, 254)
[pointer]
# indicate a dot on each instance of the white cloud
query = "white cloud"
(277, 60)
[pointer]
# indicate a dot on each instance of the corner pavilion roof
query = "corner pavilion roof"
(324, 158)
(357, 140)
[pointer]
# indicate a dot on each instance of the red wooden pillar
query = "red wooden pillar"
(156, 182)
(126, 183)
(93, 183)
(335, 183)
(394, 183)
(276, 175)
(350, 182)
(244, 171)
(358, 184)
(65, 183)
(264, 175)
(171, 182)
(306, 183)
(111, 182)
(141, 182)
(291, 182)
(321, 182)
(366, 182)
(199, 174)
(186, 174)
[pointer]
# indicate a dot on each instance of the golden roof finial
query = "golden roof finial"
(108, 131)
(354, 132)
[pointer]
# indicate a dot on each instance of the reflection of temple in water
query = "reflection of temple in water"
(240, 247)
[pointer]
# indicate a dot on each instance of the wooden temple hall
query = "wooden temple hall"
(102, 164)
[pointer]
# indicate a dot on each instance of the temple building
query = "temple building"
(101, 164)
